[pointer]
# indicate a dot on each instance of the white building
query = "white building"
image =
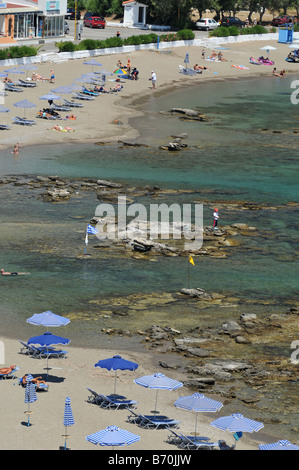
(31, 18)
(134, 14)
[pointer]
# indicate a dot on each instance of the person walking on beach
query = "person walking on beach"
(215, 219)
(52, 77)
(153, 79)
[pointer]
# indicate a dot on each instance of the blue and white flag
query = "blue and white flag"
(91, 229)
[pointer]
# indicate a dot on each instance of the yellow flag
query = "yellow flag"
(191, 260)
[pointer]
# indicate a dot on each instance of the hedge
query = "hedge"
(18, 51)
(224, 31)
(89, 44)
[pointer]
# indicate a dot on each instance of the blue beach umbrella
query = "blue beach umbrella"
(186, 60)
(93, 63)
(62, 89)
(46, 340)
(113, 436)
(116, 363)
(159, 382)
(3, 109)
(50, 96)
(68, 418)
(24, 104)
(30, 395)
(237, 423)
(198, 403)
(28, 67)
(48, 318)
(2, 75)
(279, 445)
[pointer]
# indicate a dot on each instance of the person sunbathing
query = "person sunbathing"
(101, 89)
(35, 380)
(7, 370)
(7, 273)
(71, 116)
(200, 67)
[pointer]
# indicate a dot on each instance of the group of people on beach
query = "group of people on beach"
(278, 74)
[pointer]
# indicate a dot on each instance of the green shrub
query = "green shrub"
(114, 42)
(67, 46)
(220, 32)
(89, 44)
(258, 29)
(296, 28)
(185, 34)
(233, 31)
(132, 41)
(3, 54)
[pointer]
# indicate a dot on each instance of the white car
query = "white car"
(206, 24)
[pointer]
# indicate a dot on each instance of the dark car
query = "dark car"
(283, 19)
(232, 21)
(70, 14)
(94, 20)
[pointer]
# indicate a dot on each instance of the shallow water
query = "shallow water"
(232, 158)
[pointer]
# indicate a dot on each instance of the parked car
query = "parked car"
(206, 24)
(66, 28)
(283, 19)
(70, 14)
(93, 20)
(232, 21)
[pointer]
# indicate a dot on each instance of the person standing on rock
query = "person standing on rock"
(215, 219)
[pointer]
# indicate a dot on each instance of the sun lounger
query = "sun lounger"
(39, 385)
(12, 88)
(23, 121)
(73, 104)
(23, 83)
(183, 441)
(224, 446)
(152, 421)
(28, 349)
(60, 107)
(81, 96)
(9, 375)
(109, 401)
(89, 92)
(4, 127)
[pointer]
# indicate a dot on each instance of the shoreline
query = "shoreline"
(122, 107)
(78, 372)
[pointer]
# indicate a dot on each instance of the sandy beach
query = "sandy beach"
(96, 121)
(71, 376)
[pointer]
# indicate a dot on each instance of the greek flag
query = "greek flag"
(91, 229)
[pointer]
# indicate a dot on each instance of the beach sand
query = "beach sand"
(96, 121)
(71, 376)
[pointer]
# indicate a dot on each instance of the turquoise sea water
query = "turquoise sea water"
(234, 157)
(248, 151)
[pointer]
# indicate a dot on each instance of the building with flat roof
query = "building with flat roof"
(31, 19)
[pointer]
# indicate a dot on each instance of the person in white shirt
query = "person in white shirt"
(215, 218)
(154, 78)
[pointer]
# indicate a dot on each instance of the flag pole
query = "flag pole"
(86, 242)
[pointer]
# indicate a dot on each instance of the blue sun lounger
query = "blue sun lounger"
(25, 84)
(9, 375)
(23, 121)
(81, 96)
(152, 421)
(72, 104)
(4, 127)
(109, 401)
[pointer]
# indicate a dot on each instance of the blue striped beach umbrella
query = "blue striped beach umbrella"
(198, 403)
(93, 64)
(159, 382)
(68, 419)
(113, 436)
(24, 104)
(279, 445)
(186, 60)
(237, 423)
(116, 363)
(30, 395)
(48, 318)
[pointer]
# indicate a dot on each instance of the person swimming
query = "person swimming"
(7, 273)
